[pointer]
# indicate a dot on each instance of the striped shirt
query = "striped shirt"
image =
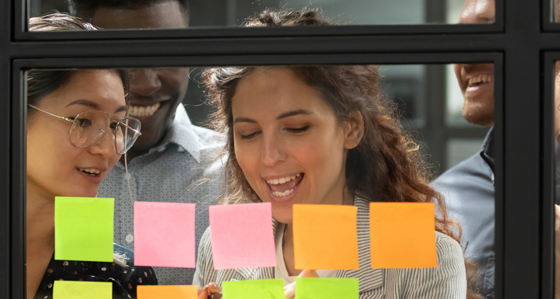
(446, 281)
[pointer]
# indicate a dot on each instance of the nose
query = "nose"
(105, 146)
(145, 82)
(273, 151)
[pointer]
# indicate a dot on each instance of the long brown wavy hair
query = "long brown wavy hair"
(386, 166)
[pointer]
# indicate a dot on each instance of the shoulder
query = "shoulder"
(447, 280)
(473, 166)
(448, 247)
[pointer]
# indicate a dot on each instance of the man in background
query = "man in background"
(468, 188)
(173, 160)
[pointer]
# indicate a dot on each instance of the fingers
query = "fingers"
(214, 291)
(308, 273)
(290, 291)
(203, 293)
(211, 290)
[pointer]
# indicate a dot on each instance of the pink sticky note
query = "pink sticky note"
(242, 236)
(164, 234)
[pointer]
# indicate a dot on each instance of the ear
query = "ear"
(354, 130)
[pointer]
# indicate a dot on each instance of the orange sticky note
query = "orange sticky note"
(167, 292)
(325, 237)
(402, 235)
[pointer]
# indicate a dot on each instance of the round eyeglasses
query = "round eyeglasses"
(90, 126)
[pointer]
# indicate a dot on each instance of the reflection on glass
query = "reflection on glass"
(232, 13)
(406, 86)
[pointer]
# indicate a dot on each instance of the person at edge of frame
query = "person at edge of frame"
(173, 160)
(468, 187)
(67, 156)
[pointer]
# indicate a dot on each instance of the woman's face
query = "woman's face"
(288, 142)
(55, 167)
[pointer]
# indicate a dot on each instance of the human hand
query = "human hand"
(290, 290)
(211, 290)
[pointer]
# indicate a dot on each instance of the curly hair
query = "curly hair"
(386, 165)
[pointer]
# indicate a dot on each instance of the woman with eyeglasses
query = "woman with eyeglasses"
(77, 129)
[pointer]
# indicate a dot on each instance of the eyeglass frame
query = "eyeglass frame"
(73, 120)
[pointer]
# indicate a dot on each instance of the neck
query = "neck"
(40, 218)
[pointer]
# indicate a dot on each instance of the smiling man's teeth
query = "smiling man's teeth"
(480, 79)
(143, 110)
(282, 194)
(282, 180)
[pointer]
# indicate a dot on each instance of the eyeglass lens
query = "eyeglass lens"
(89, 126)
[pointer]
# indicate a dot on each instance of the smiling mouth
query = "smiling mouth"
(143, 110)
(479, 80)
(284, 186)
(90, 171)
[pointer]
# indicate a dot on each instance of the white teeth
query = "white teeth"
(282, 180)
(282, 194)
(479, 79)
(91, 171)
(143, 110)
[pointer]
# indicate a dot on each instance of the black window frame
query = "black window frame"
(522, 44)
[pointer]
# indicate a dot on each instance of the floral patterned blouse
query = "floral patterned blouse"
(124, 279)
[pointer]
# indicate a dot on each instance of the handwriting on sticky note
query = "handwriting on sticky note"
(254, 289)
(167, 292)
(242, 236)
(327, 288)
(402, 235)
(164, 234)
(82, 290)
(83, 229)
(325, 237)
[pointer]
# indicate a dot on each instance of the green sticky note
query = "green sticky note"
(327, 288)
(82, 290)
(254, 289)
(83, 229)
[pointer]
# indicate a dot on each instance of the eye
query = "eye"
(249, 136)
(83, 122)
(114, 125)
(298, 130)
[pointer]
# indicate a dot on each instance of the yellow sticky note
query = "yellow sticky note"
(82, 290)
(402, 235)
(167, 292)
(325, 237)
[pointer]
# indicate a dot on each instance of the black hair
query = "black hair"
(42, 82)
(86, 8)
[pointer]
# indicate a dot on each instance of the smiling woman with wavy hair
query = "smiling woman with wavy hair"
(324, 134)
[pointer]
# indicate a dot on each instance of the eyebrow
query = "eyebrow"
(292, 113)
(281, 116)
(94, 105)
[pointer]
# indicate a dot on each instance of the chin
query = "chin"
(282, 215)
(479, 114)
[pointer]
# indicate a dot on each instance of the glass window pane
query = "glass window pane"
(178, 157)
(459, 150)
(218, 13)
